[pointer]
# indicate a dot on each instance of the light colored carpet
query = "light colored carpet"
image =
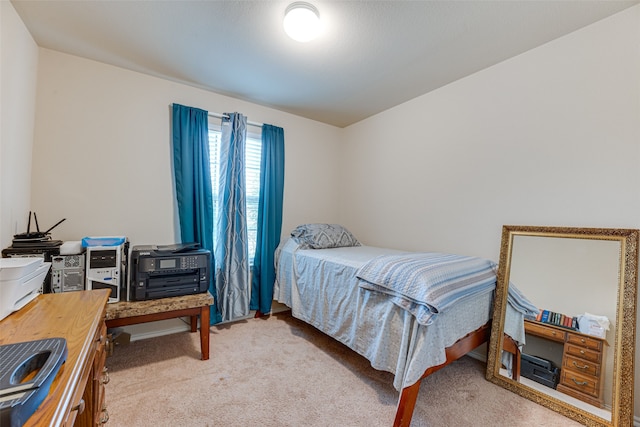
(278, 371)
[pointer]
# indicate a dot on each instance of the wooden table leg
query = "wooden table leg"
(204, 332)
(194, 323)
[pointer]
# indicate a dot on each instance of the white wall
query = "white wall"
(19, 59)
(550, 137)
(102, 152)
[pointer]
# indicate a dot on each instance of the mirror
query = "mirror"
(576, 356)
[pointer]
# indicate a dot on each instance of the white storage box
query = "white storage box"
(20, 281)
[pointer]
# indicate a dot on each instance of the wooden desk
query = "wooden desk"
(583, 357)
(79, 318)
(133, 312)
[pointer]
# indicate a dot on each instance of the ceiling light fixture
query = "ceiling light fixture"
(302, 21)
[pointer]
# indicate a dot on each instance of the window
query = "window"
(252, 170)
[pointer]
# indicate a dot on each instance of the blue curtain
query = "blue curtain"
(269, 218)
(231, 248)
(193, 182)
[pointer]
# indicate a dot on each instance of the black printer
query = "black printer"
(540, 370)
(168, 271)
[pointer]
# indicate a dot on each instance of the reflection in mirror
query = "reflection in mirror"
(572, 350)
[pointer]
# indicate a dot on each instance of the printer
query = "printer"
(21, 280)
(168, 271)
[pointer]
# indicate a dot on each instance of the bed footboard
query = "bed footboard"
(464, 345)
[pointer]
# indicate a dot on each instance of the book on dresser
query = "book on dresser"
(557, 319)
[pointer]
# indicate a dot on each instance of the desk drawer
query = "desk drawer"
(545, 332)
(582, 383)
(582, 341)
(581, 365)
(583, 353)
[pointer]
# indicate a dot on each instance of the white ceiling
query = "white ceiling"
(372, 55)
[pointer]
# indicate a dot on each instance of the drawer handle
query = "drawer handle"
(553, 332)
(581, 351)
(106, 378)
(79, 407)
(580, 367)
(580, 383)
(582, 340)
(104, 418)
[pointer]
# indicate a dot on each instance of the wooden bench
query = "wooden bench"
(125, 313)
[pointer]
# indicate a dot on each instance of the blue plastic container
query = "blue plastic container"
(103, 241)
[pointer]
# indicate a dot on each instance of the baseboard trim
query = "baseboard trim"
(478, 355)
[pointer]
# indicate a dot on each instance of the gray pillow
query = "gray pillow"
(323, 236)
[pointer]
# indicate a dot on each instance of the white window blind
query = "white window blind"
(252, 176)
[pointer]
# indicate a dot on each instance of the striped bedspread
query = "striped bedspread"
(426, 284)
(521, 303)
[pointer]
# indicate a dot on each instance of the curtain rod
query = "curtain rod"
(220, 116)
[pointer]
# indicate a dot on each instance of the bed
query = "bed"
(322, 287)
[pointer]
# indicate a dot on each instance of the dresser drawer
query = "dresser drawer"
(583, 353)
(581, 365)
(582, 383)
(581, 340)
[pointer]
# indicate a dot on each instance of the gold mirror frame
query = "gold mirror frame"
(624, 350)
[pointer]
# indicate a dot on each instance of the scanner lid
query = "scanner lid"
(19, 267)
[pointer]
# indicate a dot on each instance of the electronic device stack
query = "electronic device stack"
(36, 244)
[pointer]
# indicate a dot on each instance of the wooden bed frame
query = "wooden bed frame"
(409, 395)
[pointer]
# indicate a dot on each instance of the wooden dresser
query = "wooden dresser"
(583, 357)
(76, 396)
